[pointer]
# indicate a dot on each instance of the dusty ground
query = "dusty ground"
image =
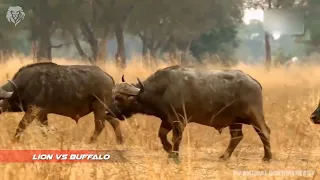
(290, 95)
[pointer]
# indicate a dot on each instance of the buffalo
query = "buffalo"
(72, 91)
(179, 95)
(315, 116)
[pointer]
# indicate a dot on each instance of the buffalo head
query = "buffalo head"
(126, 96)
(315, 116)
(4, 96)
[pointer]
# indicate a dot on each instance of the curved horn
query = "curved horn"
(5, 94)
(122, 78)
(127, 89)
(141, 86)
(14, 84)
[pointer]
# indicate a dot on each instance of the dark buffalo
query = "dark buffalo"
(72, 91)
(315, 116)
(208, 97)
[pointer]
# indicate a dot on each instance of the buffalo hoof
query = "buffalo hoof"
(266, 159)
(92, 140)
(120, 141)
(175, 157)
(15, 139)
(224, 157)
(176, 160)
(44, 134)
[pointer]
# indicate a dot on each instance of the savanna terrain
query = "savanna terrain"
(290, 96)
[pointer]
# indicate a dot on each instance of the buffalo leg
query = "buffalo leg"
(264, 134)
(164, 130)
(236, 137)
(263, 131)
(177, 132)
(116, 127)
(44, 124)
(99, 117)
(28, 117)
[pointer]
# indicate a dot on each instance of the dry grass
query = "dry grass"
(290, 95)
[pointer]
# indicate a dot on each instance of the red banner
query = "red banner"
(16, 156)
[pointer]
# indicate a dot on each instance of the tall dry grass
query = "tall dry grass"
(290, 95)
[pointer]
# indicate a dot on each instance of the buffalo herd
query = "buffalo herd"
(176, 95)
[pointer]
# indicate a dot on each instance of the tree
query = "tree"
(251, 37)
(220, 41)
(271, 4)
(311, 8)
(40, 24)
(10, 35)
(221, 38)
(171, 25)
(107, 17)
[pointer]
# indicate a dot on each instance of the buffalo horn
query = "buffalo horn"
(127, 89)
(5, 94)
(132, 90)
(122, 78)
(141, 86)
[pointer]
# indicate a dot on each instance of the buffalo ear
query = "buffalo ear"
(132, 99)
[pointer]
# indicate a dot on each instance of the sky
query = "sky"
(250, 14)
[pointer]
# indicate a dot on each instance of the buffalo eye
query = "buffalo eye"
(119, 98)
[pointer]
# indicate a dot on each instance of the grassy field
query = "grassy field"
(290, 95)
